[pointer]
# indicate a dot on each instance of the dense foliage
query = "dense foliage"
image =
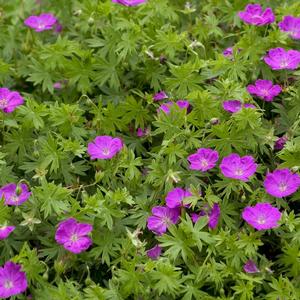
(95, 74)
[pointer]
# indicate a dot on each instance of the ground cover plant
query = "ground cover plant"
(150, 149)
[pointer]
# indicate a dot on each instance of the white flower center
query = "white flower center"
(105, 151)
(284, 63)
(282, 187)
(239, 172)
(74, 237)
(3, 103)
(204, 163)
(265, 92)
(41, 25)
(14, 198)
(261, 220)
(8, 284)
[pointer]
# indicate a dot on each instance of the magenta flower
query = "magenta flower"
(279, 144)
(182, 104)
(9, 100)
(281, 59)
(262, 216)
(140, 132)
(73, 235)
(213, 215)
(12, 280)
(228, 52)
(57, 85)
(176, 196)
(5, 231)
(254, 15)
(104, 147)
(129, 2)
(162, 217)
(248, 105)
(160, 96)
(41, 22)
(250, 267)
(236, 167)
(58, 27)
(13, 194)
(204, 159)
(264, 89)
(291, 25)
(234, 106)
(154, 252)
(281, 183)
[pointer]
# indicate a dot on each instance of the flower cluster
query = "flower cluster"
(237, 168)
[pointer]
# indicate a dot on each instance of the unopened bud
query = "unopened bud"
(214, 121)
(77, 12)
(91, 21)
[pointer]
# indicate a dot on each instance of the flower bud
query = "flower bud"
(214, 121)
(91, 21)
(46, 275)
(77, 12)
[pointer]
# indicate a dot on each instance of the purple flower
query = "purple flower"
(264, 89)
(249, 105)
(162, 217)
(254, 15)
(9, 100)
(154, 252)
(166, 107)
(228, 52)
(262, 216)
(281, 183)
(176, 196)
(58, 27)
(279, 144)
(291, 25)
(281, 59)
(5, 231)
(104, 147)
(160, 96)
(234, 106)
(204, 159)
(12, 280)
(250, 267)
(41, 22)
(236, 167)
(57, 85)
(213, 215)
(13, 194)
(140, 132)
(129, 2)
(73, 235)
